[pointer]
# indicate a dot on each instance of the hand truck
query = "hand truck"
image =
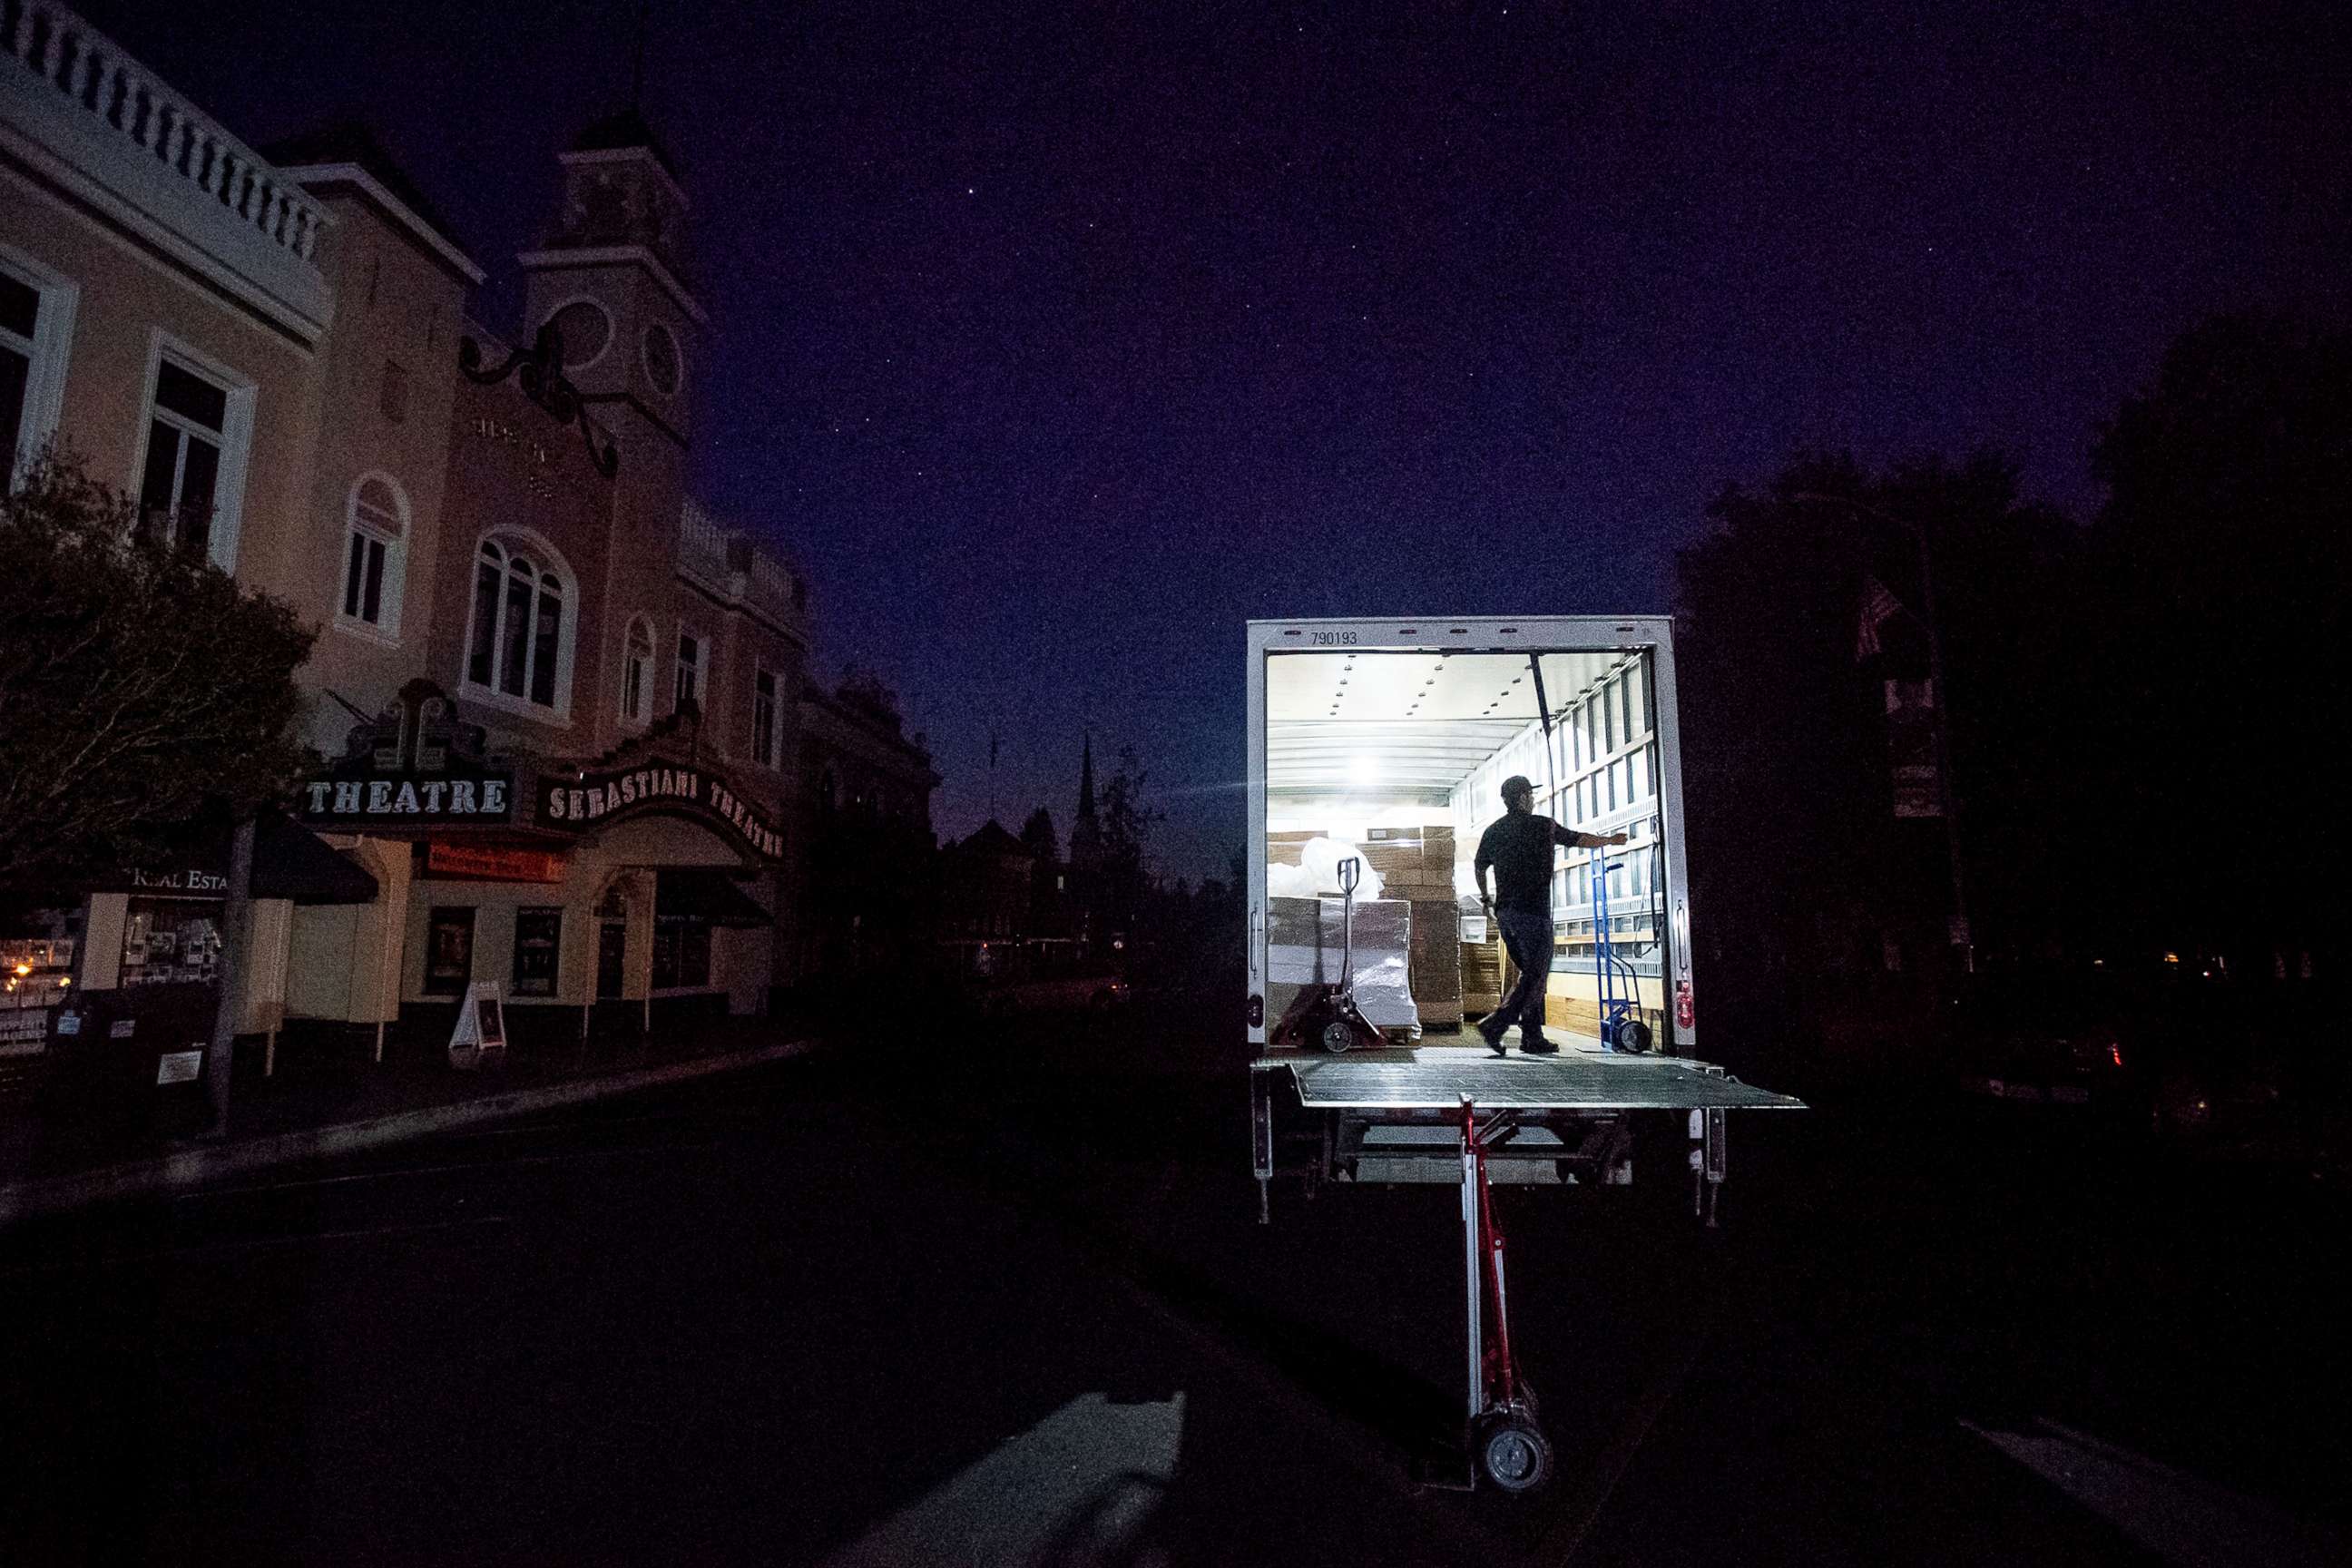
(1621, 1028)
(1507, 1443)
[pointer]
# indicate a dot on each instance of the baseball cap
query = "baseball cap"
(1515, 784)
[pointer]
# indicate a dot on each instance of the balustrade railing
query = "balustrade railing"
(733, 566)
(82, 65)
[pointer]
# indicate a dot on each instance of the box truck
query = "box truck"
(1378, 749)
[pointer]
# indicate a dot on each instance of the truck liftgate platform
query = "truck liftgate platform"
(1387, 1117)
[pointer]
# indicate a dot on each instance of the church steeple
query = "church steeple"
(1086, 833)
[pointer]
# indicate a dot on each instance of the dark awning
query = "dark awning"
(706, 893)
(289, 861)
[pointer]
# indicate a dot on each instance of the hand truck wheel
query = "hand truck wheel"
(1633, 1036)
(1512, 1451)
(1337, 1037)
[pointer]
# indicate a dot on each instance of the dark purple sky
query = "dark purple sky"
(1059, 340)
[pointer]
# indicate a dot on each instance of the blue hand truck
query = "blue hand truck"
(1621, 1028)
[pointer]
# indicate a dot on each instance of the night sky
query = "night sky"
(1057, 340)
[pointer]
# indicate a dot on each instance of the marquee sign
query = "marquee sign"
(414, 765)
(592, 799)
(463, 797)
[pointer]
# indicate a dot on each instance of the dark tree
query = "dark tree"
(1802, 869)
(2220, 647)
(1127, 825)
(140, 685)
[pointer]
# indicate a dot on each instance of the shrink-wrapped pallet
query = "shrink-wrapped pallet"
(1303, 948)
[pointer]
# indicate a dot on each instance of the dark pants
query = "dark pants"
(1527, 937)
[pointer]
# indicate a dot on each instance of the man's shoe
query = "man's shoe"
(1494, 1039)
(1540, 1047)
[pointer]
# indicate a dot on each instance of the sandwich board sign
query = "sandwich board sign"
(481, 1027)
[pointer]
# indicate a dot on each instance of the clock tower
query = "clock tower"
(613, 274)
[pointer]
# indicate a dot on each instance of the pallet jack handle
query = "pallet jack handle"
(1351, 875)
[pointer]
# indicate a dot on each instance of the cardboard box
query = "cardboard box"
(1283, 848)
(1436, 969)
(1483, 965)
(1408, 858)
(1398, 864)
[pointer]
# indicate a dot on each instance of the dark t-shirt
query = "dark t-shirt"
(1519, 848)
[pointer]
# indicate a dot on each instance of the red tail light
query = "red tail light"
(2116, 1055)
(1686, 1011)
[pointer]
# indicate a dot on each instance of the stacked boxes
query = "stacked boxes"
(1416, 862)
(1436, 967)
(1482, 965)
(1283, 848)
(1303, 948)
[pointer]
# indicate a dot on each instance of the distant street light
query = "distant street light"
(1964, 935)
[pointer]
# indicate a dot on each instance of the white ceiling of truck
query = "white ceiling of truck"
(1406, 724)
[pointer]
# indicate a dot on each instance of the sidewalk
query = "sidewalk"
(49, 1162)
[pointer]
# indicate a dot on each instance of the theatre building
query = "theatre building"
(559, 699)
(579, 795)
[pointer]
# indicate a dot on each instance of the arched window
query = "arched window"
(518, 647)
(636, 671)
(375, 554)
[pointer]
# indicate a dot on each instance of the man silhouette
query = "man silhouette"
(1517, 848)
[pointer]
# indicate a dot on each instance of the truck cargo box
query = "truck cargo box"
(1394, 737)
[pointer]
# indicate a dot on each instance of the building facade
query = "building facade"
(866, 881)
(563, 703)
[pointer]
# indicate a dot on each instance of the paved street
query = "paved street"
(1008, 1303)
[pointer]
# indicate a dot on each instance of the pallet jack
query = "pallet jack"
(1325, 1017)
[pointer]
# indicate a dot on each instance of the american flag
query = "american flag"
(1879, 606)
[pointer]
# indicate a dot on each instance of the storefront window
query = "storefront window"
(171, 940)
(36, 973)
(538, 939)
(681, 952)
(449, 951)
